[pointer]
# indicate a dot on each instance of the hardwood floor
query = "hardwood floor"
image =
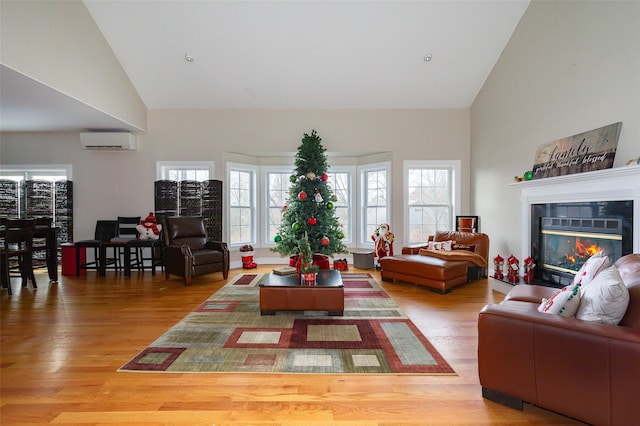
(62, 345)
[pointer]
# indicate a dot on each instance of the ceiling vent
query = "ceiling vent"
(108, 141)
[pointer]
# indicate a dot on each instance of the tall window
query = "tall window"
(375, 199)
(431, 198)
(340, 182)
(242, 204)
(277, 193)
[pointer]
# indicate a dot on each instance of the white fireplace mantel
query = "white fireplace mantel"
(617, 184)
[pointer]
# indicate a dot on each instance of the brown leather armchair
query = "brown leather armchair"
(187, 253)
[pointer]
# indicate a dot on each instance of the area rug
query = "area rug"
(226, 333)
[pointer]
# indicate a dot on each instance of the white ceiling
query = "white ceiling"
(292, 55)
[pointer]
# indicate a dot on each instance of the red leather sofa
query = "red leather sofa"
(586, 370)
(437, 273)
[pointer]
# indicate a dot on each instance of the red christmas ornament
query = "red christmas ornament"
(324, 241)
(312, 221)
(302, 196)
(284, 208)
(324, 177)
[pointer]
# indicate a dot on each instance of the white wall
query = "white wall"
(108, 184)
(58, 44)
(569, 67)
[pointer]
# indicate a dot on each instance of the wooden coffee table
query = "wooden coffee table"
(285, 293)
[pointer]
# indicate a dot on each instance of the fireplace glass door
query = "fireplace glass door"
(566, 244)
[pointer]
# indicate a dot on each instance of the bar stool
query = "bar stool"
(154, 259)
(127, 233)
(104, 232)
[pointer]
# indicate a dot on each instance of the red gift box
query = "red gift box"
(341, 265)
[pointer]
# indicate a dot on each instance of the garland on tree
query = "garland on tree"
(310, 208)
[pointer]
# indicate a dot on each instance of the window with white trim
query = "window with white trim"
(432, 192)
(277, 186)
(184, 170)
(341, 183)
(263, 220)
(241, 189)
(36, 172)
(20, 173)
(376, 196)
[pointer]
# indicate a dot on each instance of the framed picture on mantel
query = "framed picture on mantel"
(584, 152)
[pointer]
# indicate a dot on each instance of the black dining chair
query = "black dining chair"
(40, 247)
(127, 233)
(16, 252)
(105, 230)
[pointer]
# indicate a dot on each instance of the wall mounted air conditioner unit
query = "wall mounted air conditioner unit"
(108, 141)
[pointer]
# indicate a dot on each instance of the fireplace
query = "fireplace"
(565, 243)
(565, 248)
(565, 235)
(600, 208)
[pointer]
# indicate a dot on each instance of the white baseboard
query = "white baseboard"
(499, 286)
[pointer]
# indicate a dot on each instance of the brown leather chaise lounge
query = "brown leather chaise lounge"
(582, 369)
(418, 265)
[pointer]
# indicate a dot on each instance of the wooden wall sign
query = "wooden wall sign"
(584, 152)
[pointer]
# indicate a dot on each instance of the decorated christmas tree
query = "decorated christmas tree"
(310, 208)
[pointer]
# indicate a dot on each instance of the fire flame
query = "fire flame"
(583, 251)
(590, 251)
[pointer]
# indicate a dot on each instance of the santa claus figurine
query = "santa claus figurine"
(149, 228)
(383, 239)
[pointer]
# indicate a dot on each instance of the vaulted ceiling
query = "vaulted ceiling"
(284, 55)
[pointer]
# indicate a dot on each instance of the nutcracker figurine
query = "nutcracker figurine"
(498, 262)
(528, 266)
(514, 269)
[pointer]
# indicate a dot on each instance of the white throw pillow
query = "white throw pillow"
(592, 267)
(564, 302)
(605, 299)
